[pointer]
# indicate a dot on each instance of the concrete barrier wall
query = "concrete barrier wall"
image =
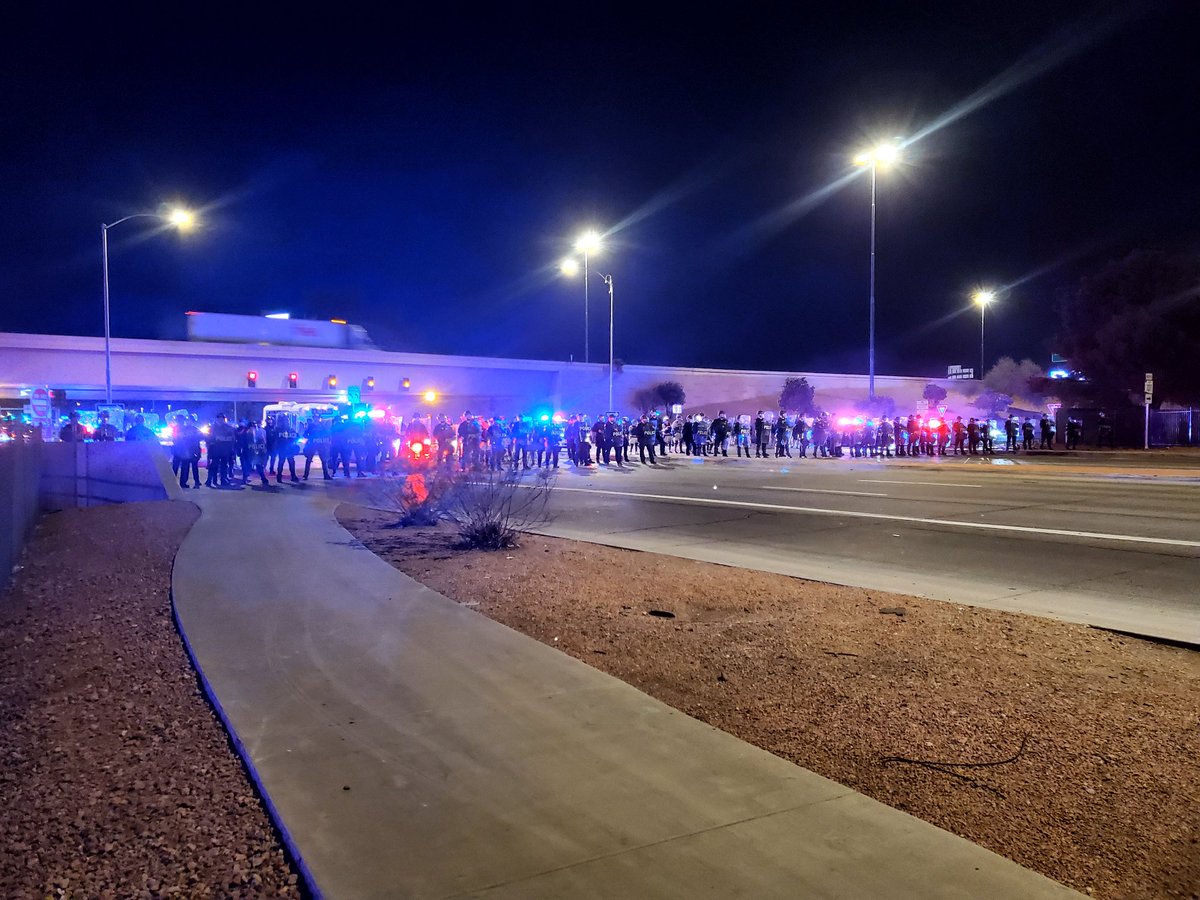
(79, 475)
(19, 466)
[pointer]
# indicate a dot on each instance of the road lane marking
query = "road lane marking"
(926, 483)
(767, 487)
(951, 523)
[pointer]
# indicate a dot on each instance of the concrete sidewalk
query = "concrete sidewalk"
(410, 747)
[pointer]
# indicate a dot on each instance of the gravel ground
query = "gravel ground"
(1091, 740)
(117, 778)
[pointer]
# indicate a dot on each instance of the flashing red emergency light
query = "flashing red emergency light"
(251, 379)
(417, 448)
(293, 379)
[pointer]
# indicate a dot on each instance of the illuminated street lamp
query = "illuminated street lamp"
(177, 218)
(587, 244)
(884, 154)
(570, 268)
(983, 298)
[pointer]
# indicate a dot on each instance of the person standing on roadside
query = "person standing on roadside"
(105, 431)
(1047, 430)
(1027, 434)
(187, 450)
(139, 431)
(72, 432)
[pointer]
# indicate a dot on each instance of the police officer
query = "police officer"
(317, 439)
(255, 442)
(762, 435)
(443, 435)
(105, 431)
(720, 433)
(1027, 434)
(1010, 434)
(72, 431)
(782, 430)
(139, 431)
(1047, 433)
(285, 447)
(186, 450)
(554, 440)
(220, 453)
(646, 439)
(960, 437)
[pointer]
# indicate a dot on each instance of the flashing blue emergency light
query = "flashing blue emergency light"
(545, 418)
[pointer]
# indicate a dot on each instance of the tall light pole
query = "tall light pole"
(983, 298)
(588, 243)
(178, 218)
(884, 154)
(608, 279)
(570, 267)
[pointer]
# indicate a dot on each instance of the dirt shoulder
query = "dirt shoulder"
(117, 780)
(1103, 731)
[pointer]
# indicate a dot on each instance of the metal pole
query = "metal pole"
(982, 311)
(871, 352)
(587, 347)
(107, 335)
(1146, 435)
(609, 279)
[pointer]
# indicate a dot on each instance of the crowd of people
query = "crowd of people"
(522, 443)
(238, 452)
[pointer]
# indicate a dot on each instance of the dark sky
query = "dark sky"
(423, 173)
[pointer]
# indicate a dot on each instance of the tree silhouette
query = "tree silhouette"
(797, 395)
(1138, 314)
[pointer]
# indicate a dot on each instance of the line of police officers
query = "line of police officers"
(269, 450)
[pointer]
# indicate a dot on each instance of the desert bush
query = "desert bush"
(491, 510)
(420, 499)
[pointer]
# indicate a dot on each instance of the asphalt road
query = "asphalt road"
(1098, 547)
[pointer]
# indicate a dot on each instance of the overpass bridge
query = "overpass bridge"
(191, 372)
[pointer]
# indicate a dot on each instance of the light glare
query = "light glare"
(183, 219)
(569, 267)
(589, 242)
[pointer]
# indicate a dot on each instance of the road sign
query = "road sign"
(942, 410)
(39, 403)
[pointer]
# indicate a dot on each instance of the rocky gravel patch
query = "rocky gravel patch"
(116, 777)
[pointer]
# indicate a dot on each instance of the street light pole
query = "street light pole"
(107, 332)
(871, 336)
(886, 154)
(608, 280)
(983, 298)
(982, 315)
(587, 344)
(181, 219)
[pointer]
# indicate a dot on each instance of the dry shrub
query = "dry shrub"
(491, 509)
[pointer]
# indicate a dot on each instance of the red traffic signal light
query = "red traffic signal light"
(251, 379)
(293, 379)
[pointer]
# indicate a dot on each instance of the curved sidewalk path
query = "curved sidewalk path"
(410, 747)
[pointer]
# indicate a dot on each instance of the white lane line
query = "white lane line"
(767, 487)
(926, 483)
(951, 523)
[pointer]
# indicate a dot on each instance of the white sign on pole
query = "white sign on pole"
(39, 404)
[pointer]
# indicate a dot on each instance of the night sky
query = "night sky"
(423, 174)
